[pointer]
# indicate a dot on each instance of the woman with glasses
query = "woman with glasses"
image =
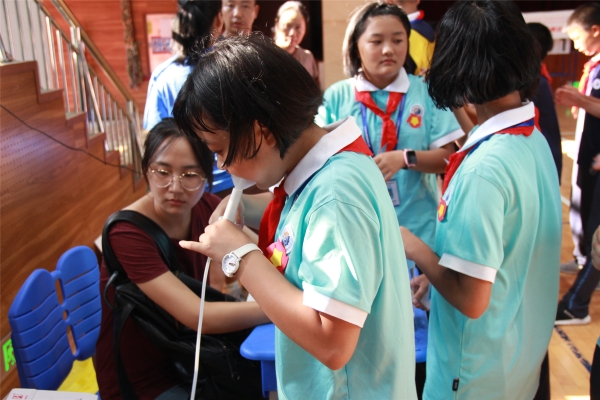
(177, 169)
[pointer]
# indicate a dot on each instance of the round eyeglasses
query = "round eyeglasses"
(188, 180)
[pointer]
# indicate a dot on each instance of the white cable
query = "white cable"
(232, 206)
(199, 334)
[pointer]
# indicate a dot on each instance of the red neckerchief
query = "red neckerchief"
(457, 158)
(420, 16)
(389, 139)
(545, 73)
(584, 81)
(270, 219)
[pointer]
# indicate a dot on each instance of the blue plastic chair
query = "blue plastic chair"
(44, 321)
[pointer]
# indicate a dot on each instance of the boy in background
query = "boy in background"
(542, 99)
(583, 28)
(422, 35)
(239, 16)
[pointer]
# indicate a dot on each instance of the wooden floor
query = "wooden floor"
(571, 347)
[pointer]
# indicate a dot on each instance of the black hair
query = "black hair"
(357, 26)
(543, 37)
(163, 134)
(484, 51)
(191, 28)
(244, 79)
(585, 15)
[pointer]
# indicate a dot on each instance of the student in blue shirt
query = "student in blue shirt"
(410, 137)
(495, 264)
(195, 28)
(333, 276)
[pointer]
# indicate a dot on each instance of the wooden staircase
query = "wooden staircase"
(51, 197)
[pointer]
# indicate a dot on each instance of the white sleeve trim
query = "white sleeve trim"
(468, 267)
(333, 307)
(444, 140)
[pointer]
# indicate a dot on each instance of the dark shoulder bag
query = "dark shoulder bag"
(224, 373)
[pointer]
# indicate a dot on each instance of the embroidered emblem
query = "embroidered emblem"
(416, 116)
(276, 254)
(287, 238)
(442, 208)
(596, 84)
(444, 203)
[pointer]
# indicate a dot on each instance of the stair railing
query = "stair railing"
(33, 32)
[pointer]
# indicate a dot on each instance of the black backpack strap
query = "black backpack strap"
(158, 235)
(118, 276)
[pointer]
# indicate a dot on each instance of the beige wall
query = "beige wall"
(335, 20)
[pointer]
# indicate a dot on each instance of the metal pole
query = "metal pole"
(72, 61)
(110, 129)
(63, 68)
(103, 98)
(10, 39)
(51, 50)
(114, 127)
(19, 31)
(35, 55)
(44, 46)
(93, 95)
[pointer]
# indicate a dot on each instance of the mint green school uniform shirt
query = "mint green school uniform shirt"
(422, 127)
(502, 225)
(346, 254)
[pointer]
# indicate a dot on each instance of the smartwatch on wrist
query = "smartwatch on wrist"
(410, 159)
(231, 261)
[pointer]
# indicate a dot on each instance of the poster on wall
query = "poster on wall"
(555, 21)
(158, 27)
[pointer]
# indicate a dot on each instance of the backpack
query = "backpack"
(224, 373)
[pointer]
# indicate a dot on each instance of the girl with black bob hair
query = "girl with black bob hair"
(212, 99)
(313, 274)
(195, 28)
(410, 137)
(481, 61)
(176, 167)
(495, 264)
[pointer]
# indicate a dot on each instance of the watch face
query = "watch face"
(412, 157)
(230, 264)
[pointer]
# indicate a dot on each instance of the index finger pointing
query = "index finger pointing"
(189, 245)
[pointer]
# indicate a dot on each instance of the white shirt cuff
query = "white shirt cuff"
(449, 138)
(333, 307)
(468, 267)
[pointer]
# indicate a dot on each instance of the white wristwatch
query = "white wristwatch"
(231, 261)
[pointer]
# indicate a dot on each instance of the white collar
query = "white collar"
(501, 121)
(340, 135)
(412, 17)
(400, 84)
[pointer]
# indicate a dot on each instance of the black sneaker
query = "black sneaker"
(565, 317)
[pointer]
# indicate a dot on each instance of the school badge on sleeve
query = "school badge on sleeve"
(415, 118)
(444, 203)
(277, 255)
(442, 208)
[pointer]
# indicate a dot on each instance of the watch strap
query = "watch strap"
(245, 249)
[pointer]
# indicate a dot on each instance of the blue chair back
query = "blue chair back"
(50, 328)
